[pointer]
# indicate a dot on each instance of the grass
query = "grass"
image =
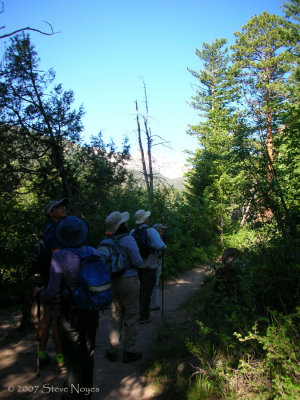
(172, 368)
(170, 365)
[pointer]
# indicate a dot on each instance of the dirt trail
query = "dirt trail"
(112, 380)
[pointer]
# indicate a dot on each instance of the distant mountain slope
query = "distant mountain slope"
(178, 183)
(165, 166)
(166, 170)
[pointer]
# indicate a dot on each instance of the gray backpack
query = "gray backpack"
(115, 257)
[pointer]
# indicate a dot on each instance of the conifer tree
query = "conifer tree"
(36, 117)
(288, 162)
(215, 98)
(263, 54)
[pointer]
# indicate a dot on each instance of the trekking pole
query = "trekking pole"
(37, 282)
(162, 285)
(38, 335)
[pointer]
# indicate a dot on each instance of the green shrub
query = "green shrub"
(281, 355)
(244, 238)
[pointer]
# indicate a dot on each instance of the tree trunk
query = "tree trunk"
(141, 148)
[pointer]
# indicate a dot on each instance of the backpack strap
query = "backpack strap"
(81, 254)
(146, 228)
(47, 230)
(115, 239)
(120, 236)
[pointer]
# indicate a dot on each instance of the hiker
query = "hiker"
(154, 305)
(228, 272)
(230, 257)
(55, 211)
(125, 302)
(77, 327)
(150, 244)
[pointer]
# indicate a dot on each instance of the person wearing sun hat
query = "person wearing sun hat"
(77, 327)
(125, 302)
(147, 271)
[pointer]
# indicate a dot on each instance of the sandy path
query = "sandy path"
(112, 380)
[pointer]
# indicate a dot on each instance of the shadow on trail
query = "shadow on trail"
(112, 380)
(18, 366)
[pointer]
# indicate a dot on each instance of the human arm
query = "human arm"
(156, 241)
(54, 284)
(128, 242)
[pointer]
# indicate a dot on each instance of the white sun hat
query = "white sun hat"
(115, 219)
(141, 216)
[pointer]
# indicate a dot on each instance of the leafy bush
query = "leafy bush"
(243, 238)
(281, 355)
(234, 298)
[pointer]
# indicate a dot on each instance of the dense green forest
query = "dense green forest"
(241, 191)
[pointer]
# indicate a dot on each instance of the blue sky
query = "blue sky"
(106, 48)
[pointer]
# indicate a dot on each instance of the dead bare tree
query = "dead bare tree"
(146, 177)
(28, 28)
(150, 140)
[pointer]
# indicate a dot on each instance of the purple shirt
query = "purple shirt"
(64, 273)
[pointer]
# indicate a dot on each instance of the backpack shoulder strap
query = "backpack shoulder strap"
(148, 236)
(108, 241)
(119, 237)
(82, 253)
(48, 228)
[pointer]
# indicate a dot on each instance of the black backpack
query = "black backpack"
(142, 239)
(40, 257)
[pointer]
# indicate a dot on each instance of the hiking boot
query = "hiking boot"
(111, 355)
(25, 327)
(155, 308)
(145, 321)
(59, 367)
(131, 356)
(43, 362)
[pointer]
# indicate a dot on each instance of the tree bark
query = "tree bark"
(141, 147)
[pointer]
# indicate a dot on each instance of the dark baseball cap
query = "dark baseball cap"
(159, 226)
(49, 206)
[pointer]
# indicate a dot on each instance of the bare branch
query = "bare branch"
(29, 29)
(149, 175)
(165, 144)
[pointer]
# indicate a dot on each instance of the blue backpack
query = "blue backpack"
(93, 292)
(115, 256)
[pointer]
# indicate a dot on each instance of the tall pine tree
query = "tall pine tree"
(263, 55)
(36, 117)
(215, 99)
